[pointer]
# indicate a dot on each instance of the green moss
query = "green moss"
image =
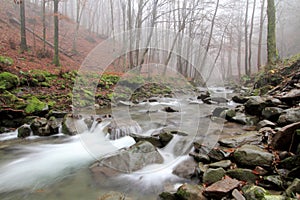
(35, 105)
(8, 81)
(6, 60)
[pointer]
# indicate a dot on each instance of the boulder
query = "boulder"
(289, 116)
(244, 119)
(255, 105)
(53, 125)
(185, 169)
(272, 113)
(240, 99)
(165, 138)
(190, 192)
(285, 136)
(242, 175)
(200, 157)
(221, 188)
(251, 137)
(40, 127)
(274, 180)
(24, 131)
(265, 123)
(250, 155)
(290, 162)
(135, 158)
(167, 196)
(153, 140)
(290, 97)
(68, 125)
(213, 175)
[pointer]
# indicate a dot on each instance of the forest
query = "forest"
(150, 99)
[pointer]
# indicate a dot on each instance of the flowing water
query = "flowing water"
(58, 167)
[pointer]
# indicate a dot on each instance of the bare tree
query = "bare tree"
(23, 45)
(261, 26)
(250, 37)
(56, 34)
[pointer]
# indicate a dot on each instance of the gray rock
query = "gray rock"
(251, 137)
(68, 125)
(213, 175)
(274, 180)
(240, 99)
(289, 116)
(153, 140)
(223, 164)
(230, 114)
(185, 169)
(121, 128)
(244, 119)
(190, 192)
(24, 131)
(293, 188)
(53, 125)
(290, 162)
(272, 113)
(242, 175)
(255, 105)
(165, 138)
(250, 155)
(199, 157)
(217, 111)
(237, 195)
(135, 158)
(221, 188)
(41, 127)
(284, 137)
(265, 123)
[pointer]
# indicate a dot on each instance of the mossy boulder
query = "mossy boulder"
(252, 192)
(190, 192)
(213, 175)
(24, 131)
(8, 81)
(35, 106)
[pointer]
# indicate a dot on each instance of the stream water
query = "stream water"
(58, 167)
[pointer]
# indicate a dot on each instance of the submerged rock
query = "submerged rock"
(250, 155)
(135, 158)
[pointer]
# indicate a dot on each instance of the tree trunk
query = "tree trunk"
(261, 26)
(250, 38)
(271, 41)
(56, 34)
(44, 25)
(246, 39)
(23, 45)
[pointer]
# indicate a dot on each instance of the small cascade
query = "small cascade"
(119, 129)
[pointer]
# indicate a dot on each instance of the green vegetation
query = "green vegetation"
(6, 60)
(35, 105)
(8, 81)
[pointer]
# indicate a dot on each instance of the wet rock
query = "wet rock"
(170, 110)
(153, 140)
(251, 137)
(267, 133)
(250, 155)
(237, 195)
(240, 99)
(223, 164)
(53, 125)
(11, 118)
(221, 188)
(135, 158)
(229, 114)
(203, 96)
(242, 175)
(290, 163)
(255, 105)
(217, 111)
(217, 154)
(41, 127)
(291, 97)
(185, 169)
(293, 188)
(114, 196)
(260, 171)
(89, 122)
(199, 157)
(213, 175)
(165, 138)
(167, 196)
(285, 136)
(190, 192)
(265, 123)
(272, 113)
(121, 128)
(68, 125)
(244, 119)
(252, 192)
(289, 116)
(24, 131)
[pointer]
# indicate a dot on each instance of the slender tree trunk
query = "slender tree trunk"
(23, 45)
(44, 25)
(271, 42)
(261, 27)
(239, 52)
(246, 39)
(56, 34)
(250, 37)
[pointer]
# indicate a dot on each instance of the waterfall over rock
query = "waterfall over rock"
(118, 129)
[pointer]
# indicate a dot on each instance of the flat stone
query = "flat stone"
(199, 157)
(221, 188)
(265, 123)
(185, 169)
(242, 175)
(223, 164)
(190, 192)
(250, 155)
(251, 137)
(237, 195)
